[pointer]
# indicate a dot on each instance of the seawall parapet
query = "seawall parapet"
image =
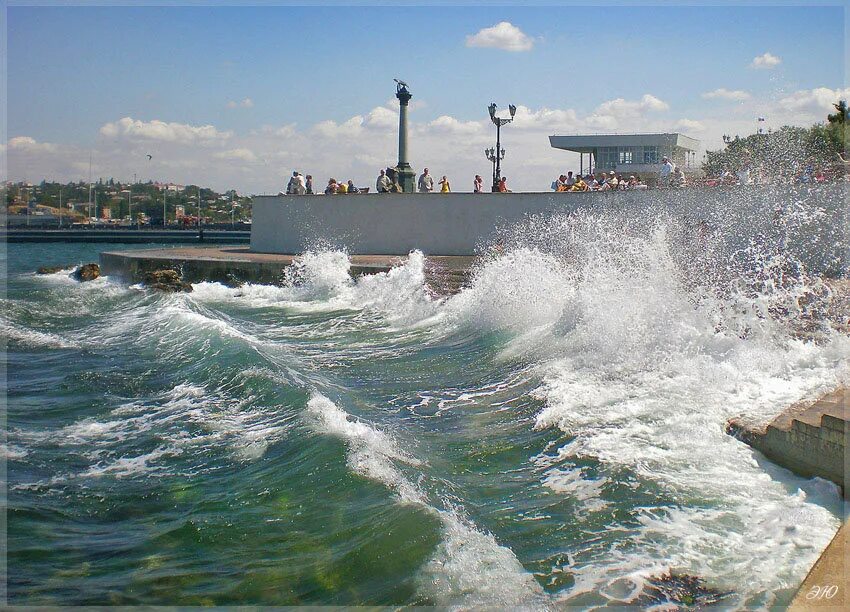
(809, 222)
(235, 265)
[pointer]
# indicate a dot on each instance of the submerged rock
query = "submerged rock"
(166, 280)
(682, 590)
(87, 272)
(52, 269)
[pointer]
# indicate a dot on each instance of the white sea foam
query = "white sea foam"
(186, 418)
(124, 466)
(24, 336)
(643, 366)
(470, 569)
(15, 453)
(320, 281)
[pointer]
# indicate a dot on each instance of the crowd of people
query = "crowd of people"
(387, 182)
(669, 175)
(599, 182)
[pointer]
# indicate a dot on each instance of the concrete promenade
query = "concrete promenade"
(235, 265)
(826, 586)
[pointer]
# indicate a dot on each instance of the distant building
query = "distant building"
(170, 187)
(628, 154)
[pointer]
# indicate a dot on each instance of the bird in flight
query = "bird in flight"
(150, 156)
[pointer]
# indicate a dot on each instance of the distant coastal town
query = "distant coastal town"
(111, 203)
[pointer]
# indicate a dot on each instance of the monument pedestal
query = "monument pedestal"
(406, 178)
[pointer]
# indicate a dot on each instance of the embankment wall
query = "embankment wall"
(812, 222)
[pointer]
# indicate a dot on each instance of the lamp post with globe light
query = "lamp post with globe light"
(498, 154)
(494, 156)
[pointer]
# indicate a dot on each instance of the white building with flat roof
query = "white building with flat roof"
(638, 154)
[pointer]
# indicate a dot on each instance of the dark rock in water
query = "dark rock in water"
(52, 269)
(166, 280)
(87, 272)
(681, 590)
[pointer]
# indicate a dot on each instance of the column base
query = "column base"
(406, 178)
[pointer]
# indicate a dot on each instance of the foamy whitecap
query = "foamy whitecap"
(33, 338)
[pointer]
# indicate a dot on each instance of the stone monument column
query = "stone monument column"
(406, 175)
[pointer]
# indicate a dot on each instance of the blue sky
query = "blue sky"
(72, 70)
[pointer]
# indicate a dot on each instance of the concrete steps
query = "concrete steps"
(809, 438)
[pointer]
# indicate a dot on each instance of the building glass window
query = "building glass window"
(607, 157)
(625, 156)
(650, 155)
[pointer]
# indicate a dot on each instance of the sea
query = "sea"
(550, 437)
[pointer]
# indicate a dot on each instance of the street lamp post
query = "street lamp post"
(497, 155)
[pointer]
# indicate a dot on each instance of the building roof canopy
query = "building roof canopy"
(589, 143)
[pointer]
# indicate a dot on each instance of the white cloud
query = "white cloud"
(413, 105)
(284, 131)
(447, 124)
(611, 113)
(332, 129)
(246, 103)
(135, 129)
(26, 143)
(545, 118)
(690, 125)
(503, 35)
(726, 94)
(238, 154)
(814, 101)
(631, 108)
(382, 117)
(765, 61)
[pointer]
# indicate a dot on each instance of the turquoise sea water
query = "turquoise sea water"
(549, 437)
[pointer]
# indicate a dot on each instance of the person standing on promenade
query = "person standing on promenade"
(309, 185)
(667, 168)
(291, 185)
(444, 185)
(426, 182)
(503, 185)
(478, 184)
(296, 185)
(383, 183)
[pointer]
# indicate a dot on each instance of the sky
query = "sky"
(240, 96)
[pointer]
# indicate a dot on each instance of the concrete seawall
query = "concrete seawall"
(238, 265)
(811, 223)
(809, 438)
